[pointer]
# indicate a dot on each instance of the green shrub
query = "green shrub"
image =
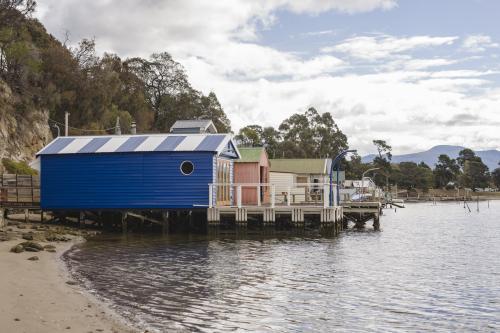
(20, 168)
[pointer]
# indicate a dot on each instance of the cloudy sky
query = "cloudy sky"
(415, 73)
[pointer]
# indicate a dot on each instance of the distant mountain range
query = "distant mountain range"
(430, 157)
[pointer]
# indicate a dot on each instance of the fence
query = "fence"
(19, 190)
(302, 194)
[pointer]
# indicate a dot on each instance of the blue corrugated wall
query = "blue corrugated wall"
(124, 180)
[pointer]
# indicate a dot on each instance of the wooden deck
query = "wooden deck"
(279, 217)
(362, 212)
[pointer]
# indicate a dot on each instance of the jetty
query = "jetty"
(294, 207)
(192, 176)
(361, 212)
(307, 205)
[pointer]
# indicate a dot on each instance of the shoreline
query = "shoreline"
(36, 297)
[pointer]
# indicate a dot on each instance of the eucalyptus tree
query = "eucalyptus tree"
(446, 171)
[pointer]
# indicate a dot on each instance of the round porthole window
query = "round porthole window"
(187, 168)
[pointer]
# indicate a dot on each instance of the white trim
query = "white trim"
(190, 143)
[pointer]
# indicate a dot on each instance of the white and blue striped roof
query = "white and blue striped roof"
(217, 143)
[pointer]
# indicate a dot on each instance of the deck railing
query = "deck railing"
(268, 194)
(19, 190)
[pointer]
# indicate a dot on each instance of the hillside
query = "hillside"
(20, 136)
(42, 78)
(490, 157)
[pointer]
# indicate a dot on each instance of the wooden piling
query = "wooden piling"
(81, 219)
(124, 222)
(165, 219)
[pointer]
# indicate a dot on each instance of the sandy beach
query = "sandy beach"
(35, 297)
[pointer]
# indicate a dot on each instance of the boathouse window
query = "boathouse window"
(187, 168)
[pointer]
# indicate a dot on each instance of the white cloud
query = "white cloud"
(384, 46)
(317, 33)
(411, 64)
(406, 108)
(478, 43)
(218, 43)
(351, 6)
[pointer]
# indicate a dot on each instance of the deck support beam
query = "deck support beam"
(2, 218)
(269, 217)
(213, 216)
(298, 217)
(241, 217)
(81, 219)
(124, 222)
(165, 219)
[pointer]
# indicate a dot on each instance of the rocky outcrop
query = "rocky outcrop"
(22, 134)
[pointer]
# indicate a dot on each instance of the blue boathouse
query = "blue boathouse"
(160, 171)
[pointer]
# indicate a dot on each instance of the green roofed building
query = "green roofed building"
(299, 176)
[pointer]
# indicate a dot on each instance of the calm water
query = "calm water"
(430, 268)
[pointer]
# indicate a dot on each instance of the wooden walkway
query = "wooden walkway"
(19, 191)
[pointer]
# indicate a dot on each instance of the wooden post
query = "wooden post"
(41, 216)
(258, 195)
(81, 219)
(273, 195)
(326, 196)
(335, 199)
(124, 222)
(376, 222)
(238, 193)
(190, 220)
(210, 195)
(165, 217)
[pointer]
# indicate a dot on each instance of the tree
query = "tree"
(383, 149)
(272, 140)
(475, 174)
(355, 168)
(466, 155)
(163, 78)
(495, 175)
(312, 135)
(250, 136)
(446, 170)
(19, 61)
(410, 176)
(211, 109)
(382, 161)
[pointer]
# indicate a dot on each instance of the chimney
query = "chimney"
(133, 128)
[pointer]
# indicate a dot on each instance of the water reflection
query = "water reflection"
(431, 268)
